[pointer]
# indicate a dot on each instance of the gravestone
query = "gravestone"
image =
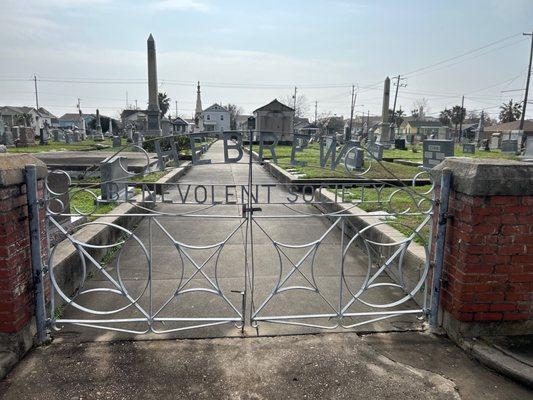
(129, 133)
(376, 149)
(399, 144)
(3, 148)
(469, 148)
(137, 140)
(529, 147)
(435, 150)
(26, 137)
(114, 176)
(355, 158)
(75, 136)
(68, 137)
(117, 141)
(2, 131)
(509, 146)
(8, 137)
(495, 141)
(60, 202)
(55, 133)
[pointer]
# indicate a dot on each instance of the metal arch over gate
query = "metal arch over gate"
(348, 275)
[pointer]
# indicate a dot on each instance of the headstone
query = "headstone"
(55, 133)
(68, 137)
(129, 133)
(26, 137)
(76, 136)
(2, 131)
(399, 144)
(114, 176)
(117, 141)
(8, 137)
(3, 148)
(529, 147)
(376, 149)
(469, 148)
(60, 202)
(495, 141)
(137, 140)
(509, 146)
(355, 158)
(434, 151)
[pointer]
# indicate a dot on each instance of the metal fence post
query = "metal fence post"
(445, 184)
(36, 256)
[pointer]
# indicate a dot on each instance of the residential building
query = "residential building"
(72, 120)
(423, 128)
(508, 130)
(38, 118)
(275, 117)
(214, 119)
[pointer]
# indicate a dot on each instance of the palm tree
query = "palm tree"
(445, 117)
(164, 102)
(457, 116)
(510, 112)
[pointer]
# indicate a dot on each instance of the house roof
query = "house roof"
(418, 123)
(215, 107)
(179, 121)
(18, 110)
(274, 105)
(127, 113)
(73, 116)
(45, 113)
(510, 126)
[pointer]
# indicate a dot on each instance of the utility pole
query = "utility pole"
(398, 79)
(36, 92)
(316, 108)
(461, 118)
(136, 105)
(176, 103)
(294, 106)
(523, 116)
(352, 106)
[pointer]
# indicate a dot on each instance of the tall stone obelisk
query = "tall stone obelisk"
(198, 108)
(384, 136)
(153, 112)
(98, 136)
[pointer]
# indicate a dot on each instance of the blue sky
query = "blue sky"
(249, 52)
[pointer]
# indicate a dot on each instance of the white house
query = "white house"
(215, 119)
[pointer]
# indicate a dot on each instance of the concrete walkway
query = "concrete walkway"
(230, 269)
(328, 366)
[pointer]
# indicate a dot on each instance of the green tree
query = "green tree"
(510, 112)
(234, 112)
(445, 117)
(458, 114)
(164, 102)
(398, 116)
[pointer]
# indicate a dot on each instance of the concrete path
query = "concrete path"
(328, 366)
(230, 269)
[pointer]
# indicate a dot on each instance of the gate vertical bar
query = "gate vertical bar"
(445, 184)
(36, 256)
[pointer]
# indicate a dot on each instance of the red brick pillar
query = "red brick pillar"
(16, 285)
(487, 281)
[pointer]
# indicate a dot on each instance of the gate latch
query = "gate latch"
(246, 209)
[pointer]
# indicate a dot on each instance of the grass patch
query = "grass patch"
(311, 155)
(60, 146)
(402, 201)
(410, 155)
(82, 201)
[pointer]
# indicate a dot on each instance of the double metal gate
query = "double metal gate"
(202, 253)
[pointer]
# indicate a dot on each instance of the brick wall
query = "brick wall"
(488, 263)
(16, 286)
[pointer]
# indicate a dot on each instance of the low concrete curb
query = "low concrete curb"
(497, 360)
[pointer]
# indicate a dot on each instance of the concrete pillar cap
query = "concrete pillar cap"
(12, 168)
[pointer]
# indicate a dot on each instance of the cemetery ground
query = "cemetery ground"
(311, 155)
(85, 145)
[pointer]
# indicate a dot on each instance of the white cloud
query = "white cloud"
(194, 5)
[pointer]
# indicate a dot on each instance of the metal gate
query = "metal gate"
(199, 253)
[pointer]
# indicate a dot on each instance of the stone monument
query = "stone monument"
(384, 128)
(98, 136)
(153, 112)
(436, 150)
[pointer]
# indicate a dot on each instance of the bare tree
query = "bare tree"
(420, 108)
(302, 105)
(234, 112)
